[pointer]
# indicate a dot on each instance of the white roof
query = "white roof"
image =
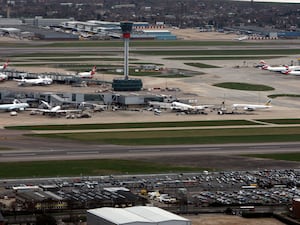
(118, 215)
(137, 214)
(155, 214)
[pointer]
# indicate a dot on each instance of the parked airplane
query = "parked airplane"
(182, 107)
(294, 68)
(274, 68)
(16, 105)
(4, 65)
(89, 74)
(251, 107)
(241, 38)
(54, 110)
(3, 77)
(291, 72)
(35, 81)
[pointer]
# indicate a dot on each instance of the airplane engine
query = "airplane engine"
(248, 109)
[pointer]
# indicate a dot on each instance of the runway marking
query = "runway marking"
(144, 150)
(203, 149)
(264, 147)
(74, 153)
(18, 154)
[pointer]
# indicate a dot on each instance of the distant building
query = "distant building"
(39, 21)
(40, 200)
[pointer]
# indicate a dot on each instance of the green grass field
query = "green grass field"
(281, 121)
(134, 125)
(277, 156)
(154, 43)
(284, 95)
(186, 136)
(220, 52)
(244, 86)
(86, 168)
(224, 58)
(201, 65)
(141, 43)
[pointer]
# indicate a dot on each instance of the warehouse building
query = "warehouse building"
(138, 215)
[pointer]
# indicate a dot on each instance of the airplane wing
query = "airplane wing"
(49, 111)
(69, 111)
(13, 108)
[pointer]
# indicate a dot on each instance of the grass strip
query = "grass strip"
(86, 168)
(244, 86)
(134, 125)
(281, 121)
(78, 59)
(221, 52)
(157, 43)
(201, 65)
(284, 95)
(277, 156)
(223, 58)
(177, 137)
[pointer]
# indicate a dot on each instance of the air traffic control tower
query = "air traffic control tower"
(126, 84)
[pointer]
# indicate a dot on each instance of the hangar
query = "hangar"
(137, 215)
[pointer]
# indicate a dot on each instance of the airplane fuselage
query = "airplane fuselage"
(17, 106)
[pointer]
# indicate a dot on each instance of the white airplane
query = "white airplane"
(35, 81)
(241, 38)
(291, 72)
(53, 110)
(4, 65)
(16, 105)
(274, 68)
(251, 107)
(3, 77)
(89, 74)
(182, 107)
(294, 68)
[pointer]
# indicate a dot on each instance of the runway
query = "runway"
(67, 151)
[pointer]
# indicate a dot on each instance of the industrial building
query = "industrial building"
(77, 195)
(138, 215)
(296, 208)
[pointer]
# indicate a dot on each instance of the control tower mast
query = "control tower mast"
(126, 30)
(126, 84)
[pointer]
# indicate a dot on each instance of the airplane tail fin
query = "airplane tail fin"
(262, 62)
(268, 102)
(46, 104)
(16, 101)
(5, 64)
(93, 70)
